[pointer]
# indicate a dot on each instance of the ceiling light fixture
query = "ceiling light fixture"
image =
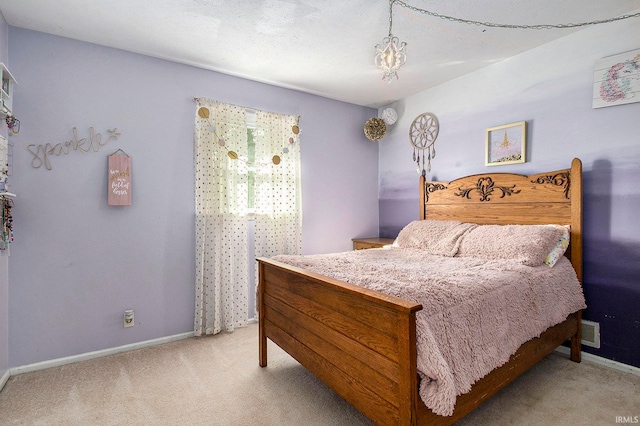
(391, 53)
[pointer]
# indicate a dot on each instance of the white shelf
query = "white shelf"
(7, 194)
(6, 89)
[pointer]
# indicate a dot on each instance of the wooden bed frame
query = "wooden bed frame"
(362, 343)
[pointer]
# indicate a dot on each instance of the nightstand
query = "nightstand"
(367, 243)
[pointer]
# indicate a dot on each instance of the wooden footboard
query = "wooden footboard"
(360, 342)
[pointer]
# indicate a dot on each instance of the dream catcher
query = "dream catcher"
(423, 134)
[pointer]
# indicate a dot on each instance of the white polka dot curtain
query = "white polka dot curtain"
(221, 217)
(278, 199)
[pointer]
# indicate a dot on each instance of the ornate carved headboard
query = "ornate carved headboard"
(506, 198)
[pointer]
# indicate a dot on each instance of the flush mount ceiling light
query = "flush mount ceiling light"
(391, 53)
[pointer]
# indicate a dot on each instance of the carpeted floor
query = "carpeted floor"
(217, 381)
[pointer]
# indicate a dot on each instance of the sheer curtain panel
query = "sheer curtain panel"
(221, 217)
(278, 199)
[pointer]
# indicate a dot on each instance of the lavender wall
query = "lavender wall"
(551, 88)
(4, 260)
(77, 263)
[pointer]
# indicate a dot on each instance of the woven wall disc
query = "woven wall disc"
(375, 129)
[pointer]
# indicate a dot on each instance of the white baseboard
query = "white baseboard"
(96, 354)
(147, 343)
(4, 379)
(603, 361)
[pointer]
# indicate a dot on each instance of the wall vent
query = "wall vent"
(590, 334)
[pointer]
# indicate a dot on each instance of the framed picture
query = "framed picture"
(506, 144)
(616, 80)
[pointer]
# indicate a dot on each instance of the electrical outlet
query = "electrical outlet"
(128, 318)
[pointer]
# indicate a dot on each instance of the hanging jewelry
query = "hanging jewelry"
(422, 134)
(13, 124)
(7, 223)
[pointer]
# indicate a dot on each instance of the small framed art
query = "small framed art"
(506, 144)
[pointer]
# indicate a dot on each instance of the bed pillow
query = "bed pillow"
(439, 237)
(527, 244)
(561, 246)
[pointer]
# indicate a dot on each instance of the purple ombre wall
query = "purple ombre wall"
(551, 88)
(4, 260)
(77, 263)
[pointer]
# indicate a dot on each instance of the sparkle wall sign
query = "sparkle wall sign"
(42, 153)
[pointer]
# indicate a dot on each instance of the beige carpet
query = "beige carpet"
(217, 381)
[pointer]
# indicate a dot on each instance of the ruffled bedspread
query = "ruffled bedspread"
(476, 312)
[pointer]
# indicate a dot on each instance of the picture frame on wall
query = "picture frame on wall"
(506, 144)
(616, 80)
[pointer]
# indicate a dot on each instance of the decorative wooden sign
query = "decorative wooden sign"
(119, 179)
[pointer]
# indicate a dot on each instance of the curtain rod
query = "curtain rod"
(195, 99)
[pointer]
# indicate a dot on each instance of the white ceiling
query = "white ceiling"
(324, 47)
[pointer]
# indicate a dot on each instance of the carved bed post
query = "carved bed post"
(576, 245)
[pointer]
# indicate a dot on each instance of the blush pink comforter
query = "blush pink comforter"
(476, 312)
